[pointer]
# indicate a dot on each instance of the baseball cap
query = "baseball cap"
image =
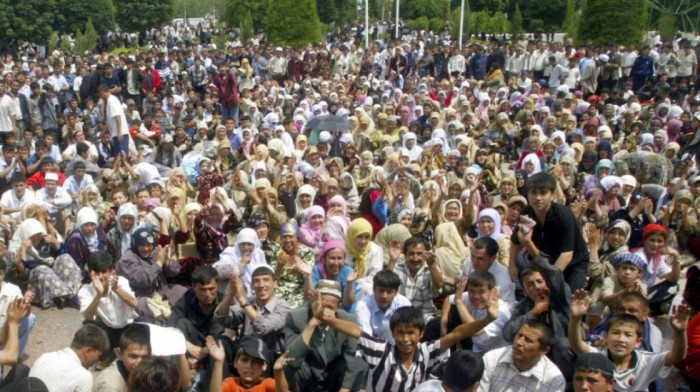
(253, 347)
(595, 361)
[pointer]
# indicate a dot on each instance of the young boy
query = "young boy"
(250, 362)
(374, 311)
(107, 301)
(389, 371)
(634, 369)
(629, 268)
(134, 347)
(472, 305)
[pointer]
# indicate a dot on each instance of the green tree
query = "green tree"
(336, 11)
(499, 23)
(685, 14)
(516, 23)
(570, 26)
(140, 15)
(29, 20)
(198, 9)
(293, 22)
(74, 15)
(550, 13)
(466, 28)
(621, 21)
(235, 12)
(437, 24)
(667, 26)
(247, 29)
(86, 40)
(412, 9)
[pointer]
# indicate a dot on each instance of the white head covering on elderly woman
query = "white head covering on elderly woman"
(230, 260)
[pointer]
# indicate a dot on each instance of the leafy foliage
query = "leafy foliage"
(293, 22)
(516, 23)
(140, 15)
(421, 23)
(198, 9)
(235, 12)
(570, 22)
(437, 24)
(550, 14)
(26, 20)
(682, 14)
(72, 15)
(602, 20)
(86, 40)
(338, 11)
(466, 28)
(412, 9)
(247, 28)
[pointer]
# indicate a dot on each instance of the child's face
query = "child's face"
(479, 296)
(622, 339)
(627, 273)
(407, 339)
(249, 369)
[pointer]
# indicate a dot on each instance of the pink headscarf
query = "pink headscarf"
(330, 245)
(308, 235)
(674, 129)
(336, 229)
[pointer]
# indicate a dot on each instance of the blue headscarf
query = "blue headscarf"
(142, 236)
(605, 145)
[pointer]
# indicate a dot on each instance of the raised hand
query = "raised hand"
(429, 257)
(461, 286)
(19, 309)
(394, 250)
(216, 349)
(580, 303)
(681, 315)
(163, 255)
(101, 288)
(29, 295)
(282, 362)
(316, 305)
(492, 309)
(353, 276)
(302, 266)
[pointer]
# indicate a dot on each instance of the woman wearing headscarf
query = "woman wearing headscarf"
(310, 232)
(209, 178)
(290, 265)
(363, 255)
(331, 266)
(677, 219)
(226, 157)
(604, 150)
(348, 191)
(392, 236)
(531, 164)
(87, 237)
(489, 224)
(372, 207)
(40, 260)
(183, 230)
(450, 252)
(410, 143)
(178, 179)
(304, 201)
(241, 259)
(588, 163)
(268, 205)
(147, 269)
(119, 237)
(612, 200)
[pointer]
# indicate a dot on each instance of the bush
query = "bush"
(293, 22)
(437, 24)
(421, 23)
(86, 40)
(622, 21)
(119, 51)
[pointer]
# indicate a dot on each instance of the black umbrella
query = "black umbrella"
(330, 122)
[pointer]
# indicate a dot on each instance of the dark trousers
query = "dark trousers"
(18, 377)
(301, 379)
(135, 97)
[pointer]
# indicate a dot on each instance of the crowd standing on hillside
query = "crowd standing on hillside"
(509, 216)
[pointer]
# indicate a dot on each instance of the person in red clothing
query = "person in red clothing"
(227, 84)
(250, 362)
(152, 77)
(36, 181)
(690, 366)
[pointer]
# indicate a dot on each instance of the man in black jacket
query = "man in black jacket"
(132, 81)
(88, 89)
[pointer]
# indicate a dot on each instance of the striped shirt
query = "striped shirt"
(419, 289)
(386, 373)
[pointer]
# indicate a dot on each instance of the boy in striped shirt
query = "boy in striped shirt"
(407, 363)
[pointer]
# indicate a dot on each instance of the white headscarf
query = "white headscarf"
(27, 229)
(230, 259)
(535, 160)
(126, 209)
(496, 218)
(415, 152)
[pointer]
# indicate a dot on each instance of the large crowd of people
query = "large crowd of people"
(411, 216)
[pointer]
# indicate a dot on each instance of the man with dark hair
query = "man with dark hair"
(67, 370)
(193, 314)
(556, 233)
(461, 373)
(594, 372)
(134, 346)
(421, 281)
(374, 311)
(16, 319)
(14, 199)
(116, 120)
(483, 255)
(107, 301)
(262, 317)
(524, 364)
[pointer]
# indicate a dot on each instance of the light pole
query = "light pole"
(367, 25)
(461, 24)
(397, 18)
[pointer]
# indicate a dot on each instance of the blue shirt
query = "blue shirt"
(342, 279)
(373, 320)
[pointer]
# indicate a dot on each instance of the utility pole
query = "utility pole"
(397, 18)
(461, 24)
(367, 25)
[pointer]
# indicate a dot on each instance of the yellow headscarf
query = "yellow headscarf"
(358, 227)
(450, 251)
(225, 163)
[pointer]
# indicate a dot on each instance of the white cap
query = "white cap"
(604, 58)
(51, 176)
(324, 136)
(629, 180)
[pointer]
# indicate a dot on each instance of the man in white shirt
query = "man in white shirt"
(13, 200)
(9, 293)
(374, 311)
(67, 370)
(557, 73)
(524, 366)
(116, 120)
(108, 300)
(7, 112)
(52, 196)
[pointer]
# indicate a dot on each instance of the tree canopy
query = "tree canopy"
(293, 22)
(72, 15)
(602, 21)
(140, 15)
(236, 12)
(26, 20)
